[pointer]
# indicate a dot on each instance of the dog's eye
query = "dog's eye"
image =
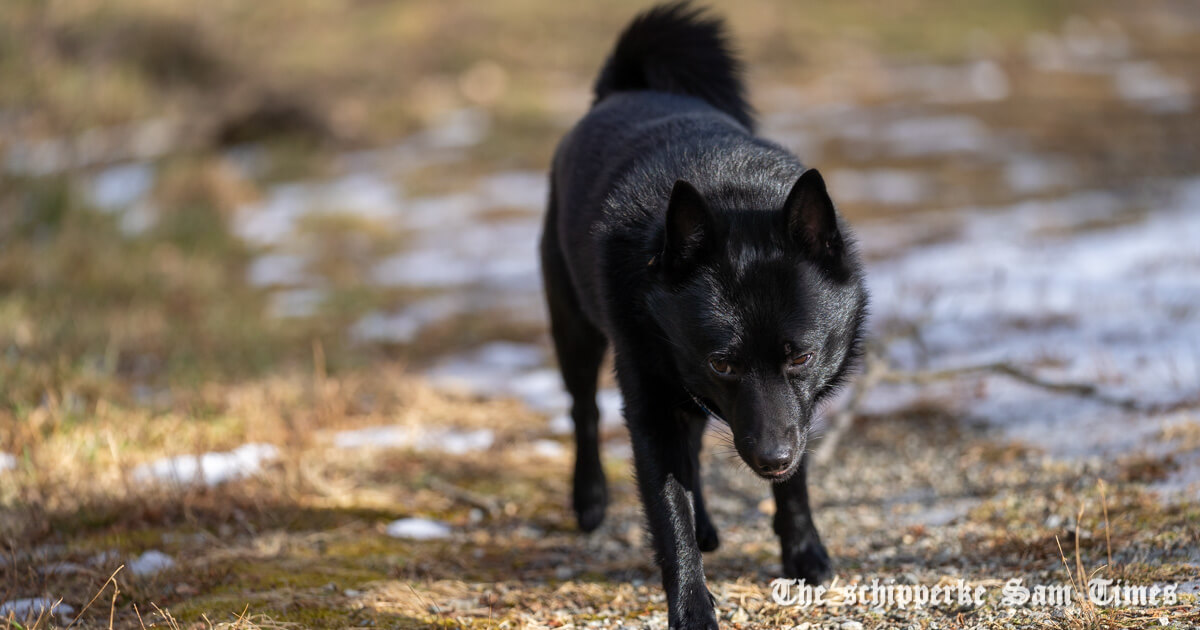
(802, 359)
(721, 366)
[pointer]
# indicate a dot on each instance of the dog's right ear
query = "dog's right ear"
(688, 231)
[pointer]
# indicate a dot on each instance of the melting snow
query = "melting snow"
(150, 562)
(885, 186)
(497, 253)
(1071, 288)
(418, 529)
(1145, 84)
(982, 80)
(1027, 174)
(118, 187)
(458, 129)
(274, 219)
(516, 370)
(548, 449)
(277, 269)
(7, 462)
(912, 136)
(522, 189)
(608, 400)
(496, 369)
(443, 440)
(32, 607)
(935, 135)
(209, 468)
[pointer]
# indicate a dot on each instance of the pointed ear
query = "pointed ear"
(812, 221)
(689, 228)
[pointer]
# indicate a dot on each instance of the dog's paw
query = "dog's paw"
(706, 535)
(807, 561)
(589, 498)
(590, 517)
(696, 624)
(695, 612)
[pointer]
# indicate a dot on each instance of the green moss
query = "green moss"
(81, 527)
(322, 617)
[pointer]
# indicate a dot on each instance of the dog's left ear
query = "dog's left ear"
(812, 223)
(689, 229)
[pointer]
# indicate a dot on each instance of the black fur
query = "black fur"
(719, 271)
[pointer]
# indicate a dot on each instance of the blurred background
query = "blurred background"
(268, 281)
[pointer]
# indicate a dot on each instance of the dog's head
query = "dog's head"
(763, 309)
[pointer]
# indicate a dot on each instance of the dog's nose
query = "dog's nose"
(774, 462)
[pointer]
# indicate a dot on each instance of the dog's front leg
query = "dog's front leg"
(803, 555)
(661, 457)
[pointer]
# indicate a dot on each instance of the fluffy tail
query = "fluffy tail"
(680, 49)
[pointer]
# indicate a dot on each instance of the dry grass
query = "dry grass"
(302, 543)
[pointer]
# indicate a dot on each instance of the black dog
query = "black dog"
(718, 269)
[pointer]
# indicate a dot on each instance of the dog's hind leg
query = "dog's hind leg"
(706, 533)
(580, 347)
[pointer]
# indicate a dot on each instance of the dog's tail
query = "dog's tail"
(680, 49)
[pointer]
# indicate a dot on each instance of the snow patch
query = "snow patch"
(884, 186)
(418, 529)
(982, 80)
(457, 129)
(149, 563)
(522, 189)
(208, 469)
(32, 607)
(611, 406)
(548, 449)
(277, 270)
(274, 219)
(936, 135)
(441, 440)
(1027, 174)
(119, 187)
(1144, 83)
(496, 253)
(1077, 289)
